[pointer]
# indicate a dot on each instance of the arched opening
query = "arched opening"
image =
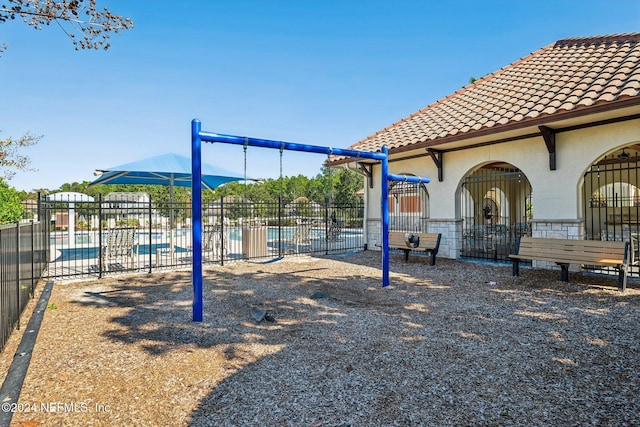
(611, 198)
(408, 206)
(496, 209)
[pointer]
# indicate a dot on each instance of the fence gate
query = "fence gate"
(496, 209)
(611, 200)
(408, 207)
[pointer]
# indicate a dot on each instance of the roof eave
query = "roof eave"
(523, 125)
(515, 129)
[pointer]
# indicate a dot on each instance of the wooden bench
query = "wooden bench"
(584, 252)
(428, 242)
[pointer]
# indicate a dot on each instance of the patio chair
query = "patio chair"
(120, 247)
(334, 230)
(214, 241)
(301, 235)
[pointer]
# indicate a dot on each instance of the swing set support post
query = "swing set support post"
(198, 136)
(384, 215)
(196, 218)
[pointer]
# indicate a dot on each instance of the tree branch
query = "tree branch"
(95, 30)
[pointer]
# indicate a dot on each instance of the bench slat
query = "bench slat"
(427, 241)
(562, 252)
(553, 243)
(567, 252)
(574, 260)
(572, 251)
(594, 250)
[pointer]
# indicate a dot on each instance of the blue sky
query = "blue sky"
(318, 72)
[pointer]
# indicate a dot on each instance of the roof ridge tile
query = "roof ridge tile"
(594, 40)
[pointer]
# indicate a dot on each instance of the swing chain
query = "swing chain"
(244, 188)
(329, 171)
(281, 151)
(244, 148)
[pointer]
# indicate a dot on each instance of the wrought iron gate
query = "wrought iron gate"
(496, 209)
(611, 200)
(408, 207)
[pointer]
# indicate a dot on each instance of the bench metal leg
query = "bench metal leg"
(622, 278)
(432, 253)
(564, 272)
(516, 267)
(406, 256)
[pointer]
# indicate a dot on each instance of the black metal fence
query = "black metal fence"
(408, 207)
(611, 200)
(135, 233)
(496, 206)
(24, 254)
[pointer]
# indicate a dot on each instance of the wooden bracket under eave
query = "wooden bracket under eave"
(437, 159)
(549, 136)
(367, 170)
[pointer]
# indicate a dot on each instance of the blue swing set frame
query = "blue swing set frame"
(198, 136)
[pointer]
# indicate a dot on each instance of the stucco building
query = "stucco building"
(548, 145)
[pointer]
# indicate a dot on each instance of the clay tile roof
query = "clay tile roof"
(576, 74)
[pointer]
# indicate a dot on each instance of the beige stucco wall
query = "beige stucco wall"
(557, 195)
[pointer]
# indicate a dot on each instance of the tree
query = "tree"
(81, 21)
(11, 209)
(10, 160)
(349, 182)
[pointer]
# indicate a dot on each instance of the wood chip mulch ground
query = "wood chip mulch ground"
(455, 344)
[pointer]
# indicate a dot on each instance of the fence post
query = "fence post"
(100, 248)
(33, 273)
(150, 240)
(326, 225)
(45, 223)
(222, 239)
(18, 272)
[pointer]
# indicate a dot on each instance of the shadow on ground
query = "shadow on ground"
(458, 343)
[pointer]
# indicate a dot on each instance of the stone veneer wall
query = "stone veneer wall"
(571, 229)
(374, 231)
(451, 240)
